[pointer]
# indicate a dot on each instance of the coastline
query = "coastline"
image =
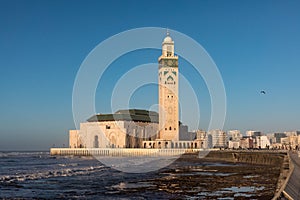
(279, 161)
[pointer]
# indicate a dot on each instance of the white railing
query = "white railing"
(119, 152)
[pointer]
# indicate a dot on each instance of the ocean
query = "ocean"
(37, 175)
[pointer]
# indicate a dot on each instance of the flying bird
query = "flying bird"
(263, 92)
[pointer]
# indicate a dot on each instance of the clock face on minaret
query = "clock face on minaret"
(168, 91)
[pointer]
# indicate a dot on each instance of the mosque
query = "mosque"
(134, 128)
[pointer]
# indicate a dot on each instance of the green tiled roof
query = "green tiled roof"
(127, 115)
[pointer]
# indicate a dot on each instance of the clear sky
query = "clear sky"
(255, 44)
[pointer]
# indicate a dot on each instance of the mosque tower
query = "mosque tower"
(168, 91)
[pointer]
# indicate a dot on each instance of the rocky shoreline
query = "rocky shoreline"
(216, 176)
(222, 180)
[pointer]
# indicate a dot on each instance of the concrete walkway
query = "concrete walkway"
(293, 185)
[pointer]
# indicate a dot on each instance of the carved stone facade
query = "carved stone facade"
(168, 91)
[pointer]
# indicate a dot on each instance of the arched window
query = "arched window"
(169, 51)
(170, 128)
(96, 142)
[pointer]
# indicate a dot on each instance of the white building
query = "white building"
(202, 137)
(233, 144)
(234, 135)
(253, 133)
(292, 133)
(140, 128)
(217, 139)
(261, 142)
(271, 137)
(123, 129)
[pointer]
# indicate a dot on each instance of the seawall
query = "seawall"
(252, 157)
(292, 189)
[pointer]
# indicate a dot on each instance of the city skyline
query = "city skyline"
(254, 45)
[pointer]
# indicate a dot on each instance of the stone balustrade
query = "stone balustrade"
(118, 152)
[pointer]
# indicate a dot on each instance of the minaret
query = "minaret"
(168, 91)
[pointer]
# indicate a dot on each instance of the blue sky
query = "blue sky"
(255, 45)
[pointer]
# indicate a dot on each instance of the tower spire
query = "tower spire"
(168, 91)
(168, 32)
(168, 46)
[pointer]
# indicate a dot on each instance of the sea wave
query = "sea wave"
(22, 153)
(50, 174)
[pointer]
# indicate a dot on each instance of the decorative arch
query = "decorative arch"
(170, 78)
(112, 139)
(96, 141)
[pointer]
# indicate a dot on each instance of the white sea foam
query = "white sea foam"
(124, 185)
(50, 174)
(68, 164)
(22, 153)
